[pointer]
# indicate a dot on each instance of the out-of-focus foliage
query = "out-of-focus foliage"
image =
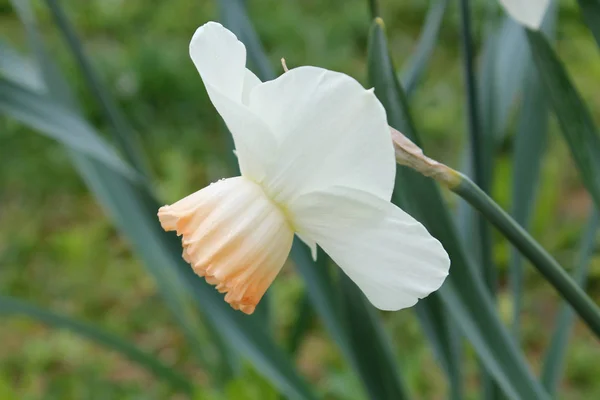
(58, 249)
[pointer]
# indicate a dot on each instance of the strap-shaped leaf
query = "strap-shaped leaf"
(419, 59)
(372, 345)
(56, 122)
(234, 16)
(445, 338)
(14, 307)
(553, 366)
(123, 133)
(133, 209)
(464, 295)
(529, 148)
(16, 69)
(530, 145)
(573, 116)
(481, 145)
(590, 9)
(59, 94)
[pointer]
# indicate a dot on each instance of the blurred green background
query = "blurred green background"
(57, 248)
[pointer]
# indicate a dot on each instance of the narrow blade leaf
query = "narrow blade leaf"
(530, 144)
(161, 252)
(555, 357)
(464, 295)
(590, 9)
(573, 116)
(373, 348)
(133, 209)
(12, 306)
(235, 17)
(441, 331)
(301, 325)
(61, 94)
(481, 146)
(45, 115)
(17, 69)
(508, 66)
(529, 148)
(419, 59)
(122, 131)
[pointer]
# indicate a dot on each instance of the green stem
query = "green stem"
(375, 8)
(539, 257)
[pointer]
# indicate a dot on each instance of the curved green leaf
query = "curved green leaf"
(590, 9)
(390, 93)
(554, 360)
(419, 59)
(122, 131)
(134, 212)
(133, 208)
(48, 71)
(45, 115)
(507, 63)
(443, 335)
(18, 69)
(373, 349)
(530, 144)
(61, 94)
(464, 295)
(12, 306)
(481, 146)
(529, 148)
(573, 116)
(302, 324)
(234, 17)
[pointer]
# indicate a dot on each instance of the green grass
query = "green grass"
(58, 250)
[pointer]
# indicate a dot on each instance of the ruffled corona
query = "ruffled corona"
(233, 236)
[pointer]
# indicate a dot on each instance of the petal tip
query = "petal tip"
(528, 13)
(168, 220)
(207, 27)
(248, 310)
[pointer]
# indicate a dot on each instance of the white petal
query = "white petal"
(312, 245)
(221, 61)
(255, 146)
(331, 131)
(528, 12)
(233, 236)
(386, 252)
(250, 82)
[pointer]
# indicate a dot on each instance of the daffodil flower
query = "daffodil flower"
(316, 160)
(527, 12)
